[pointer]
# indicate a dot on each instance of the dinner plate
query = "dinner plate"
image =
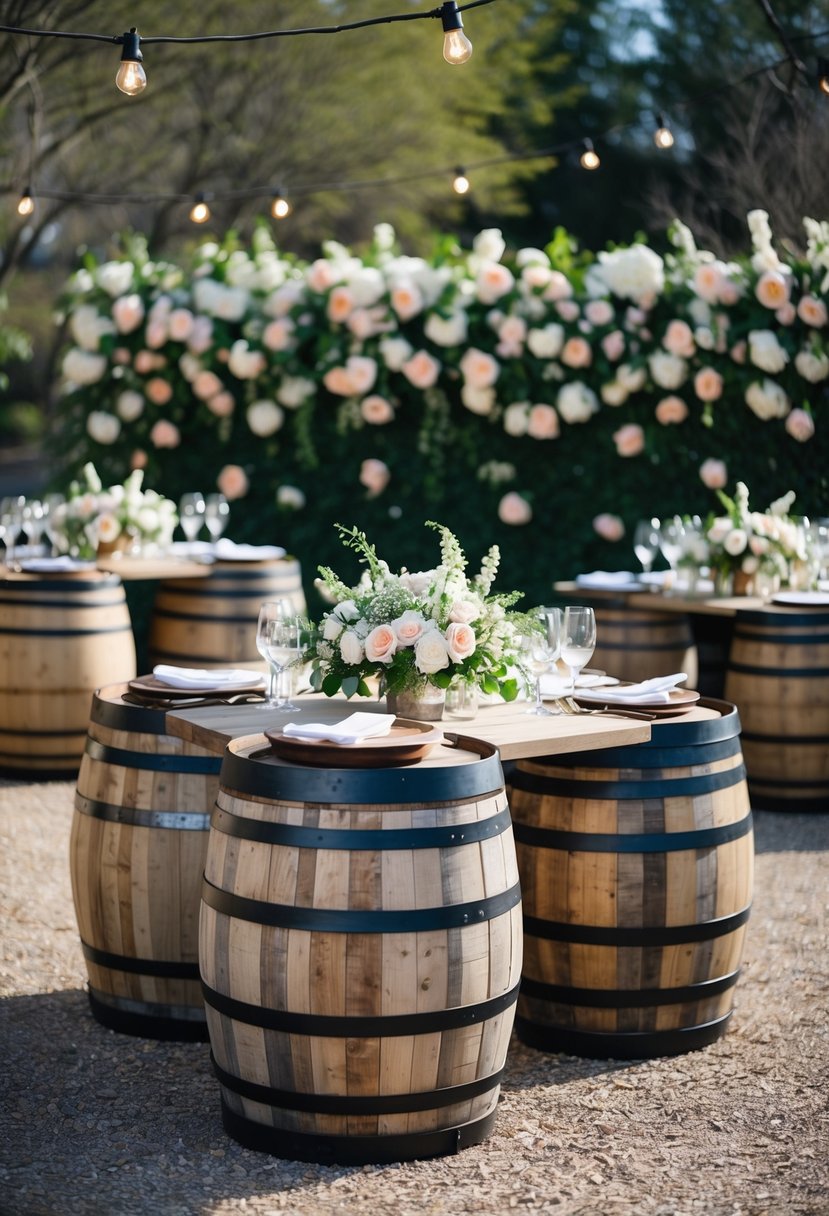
(150, 687)
(679, 702)
(406, 743)
(803, 599)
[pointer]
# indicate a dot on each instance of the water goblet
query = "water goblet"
(216, 514)
(191, 514)
(646, 542)
(540, 648)
(578, 640)
(270, 611)
(284, 650)
(672, 542)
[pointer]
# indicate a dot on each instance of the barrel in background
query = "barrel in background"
(778, 675)
(61, 637)
(360, 953)
(138, 844)
(638, 643)
(636, 869)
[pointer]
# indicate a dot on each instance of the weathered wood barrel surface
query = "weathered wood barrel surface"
(61, 637)
(211, 622)
(139, 839)
(360, 953)
(636, 868)
(638, 643)
(778, 675)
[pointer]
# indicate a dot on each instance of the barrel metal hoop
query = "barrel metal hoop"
(771, 620)
(789, 783)
(805, 740)
(634, 935)
(207, 589)
(160, 968)
(138, 817)
(646, 755)
(140, 719)
(381, 839)
(782, 639)
(367, 1027)
(356, 1104)
(59, 584)
(51, 603)
(43, 734)
(657, 621)
(627, 998)
(155, 762)
(346, 920)
(649, 785)
(645, 842)
(620, 1045)
(775, 673)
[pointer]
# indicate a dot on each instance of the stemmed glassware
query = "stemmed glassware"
(273, 647)
(191, 511)
(672, 542)
(11, 516)
(540, 650)
(646, 542)
(578, 640)
(216, 515)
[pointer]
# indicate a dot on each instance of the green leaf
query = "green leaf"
(509, 689)
(316, 679)
(489, 684)
(331, 685)
(442, 679)
(363, 689)
(350, 685)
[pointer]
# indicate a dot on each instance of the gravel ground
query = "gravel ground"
(95, 1123)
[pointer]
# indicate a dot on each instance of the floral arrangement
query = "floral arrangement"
(767, 541)
(92, 516)
(432, 627)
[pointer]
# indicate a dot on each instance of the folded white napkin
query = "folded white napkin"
(553, 685)
(47, 565)
(648, 692)
(606, 578)
(353, 729)
(199, 677)
(228, 551)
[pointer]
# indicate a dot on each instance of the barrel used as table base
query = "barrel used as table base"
(636, 869)
(211, 622)
(61, 637)
(360, 953)
(638, 644)
(778, 675)
(138, 844)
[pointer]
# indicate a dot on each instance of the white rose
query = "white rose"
(351, 648)
(394, 352)
(115, 277)
(129, 406)
(767, 400)
(446, 331)
(103, 427)
(294, 391)
(87, 325)
(546, 343)
(766, 352)
(244, 363)
(633, 378)
(410, 627)
(478, 400)
(264, 418)
(735, 542)
(516, 418)
(719, 529)
(367, 286)
(576, 402)
(417, 581)
(489, 245)
(81, 367)
(635, 273)
(613, 393)
(431, 653)
(668, 371)
(812, 367)
(464, 612)
(290, 496)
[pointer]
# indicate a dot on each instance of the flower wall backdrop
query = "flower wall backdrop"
(544, 399)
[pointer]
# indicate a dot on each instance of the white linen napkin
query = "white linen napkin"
(199, 677)
(554, 684)
(353, 729)
(48, 565)
(227, 550)
(607, 578)
(649, 692)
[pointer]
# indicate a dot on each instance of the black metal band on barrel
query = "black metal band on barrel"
(43, 734)
(138, 817)
(620, 1045)
(630, 842)
(789, 783)
(117, 715)
(73, 604)
(14, 594)
(347, 920)
(155, 762)
(22, 631)
(655, 785)
(367, 1027)
(800, 740)
(356, 1104)
(627, 998)
(782, 620)
(380, 839)
(358, 786)
(157, 967)
(634, 935)
(643, 756)
(775, 673)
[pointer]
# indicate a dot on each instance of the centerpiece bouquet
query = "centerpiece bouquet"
(743, 544)
(93, 518)
(418, 632)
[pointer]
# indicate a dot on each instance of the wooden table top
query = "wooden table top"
(670, 601)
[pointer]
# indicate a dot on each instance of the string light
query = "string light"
(456, 46)
(26, 204)
(461, 183)
(823, 75)
(200, 212)
(663, 136)
(131, 77)
(589, 158)
(280, 207)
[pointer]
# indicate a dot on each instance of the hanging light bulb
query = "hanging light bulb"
(663, 136)
(200, 212)
(280, 207)
(456, 46)
(823, 75)
(131, 77)
(460, 182)
(589, 158)
(26, 204)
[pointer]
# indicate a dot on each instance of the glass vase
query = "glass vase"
(423, 702)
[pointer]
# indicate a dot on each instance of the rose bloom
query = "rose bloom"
(568, 310)
(421, 370)
(609, 527)
(765, 351)
(546, 343)
(542, 422)
(376, 410)
(338, 381)
(395, 352)
(708, 281)
(129, 405)
(201, 336)
(599, 312)
(800, 425)
(139, 459)
(629, 440)
(514, 510)
(362, 372)
(446, 331)
(375, 476)
(576, 402)
(207, 384)
(158, 391)
(479, 369)
(713, 474)
(812, 367)
(121, 355)
(767, 399)
(668, 371)
(156, 333)
(180, 323)
(127, 313)
(381, 644)
(772, 289)
(351, 648)
(559, 287)
(264, 418)
(145, 361)
(576, 352)
(464, 612)
(232, 482)
(165, 434)
(339, 306)
(613, 345)
(671, 409)
(279, 334)
(478, 400)
(786, 313)
(83, 367)
(614, 393)
(512, 333)
(244, 363)
(430, 653)
(222, 404)
(679, 339)
(460, 641)
(812, 311)
(409, 627)
(735, 542)
(739, 351)
(708, 384)
(493, 282)
(516, 418)
(406, 300)
(320, 275)
(102, 427)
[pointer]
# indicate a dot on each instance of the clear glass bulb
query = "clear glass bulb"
(823, 84)
(280, 207)
(461, 184)
(589, 159)
(131, 77)
(26, 205)
(456, 47)
(200, 213)
(663, 137)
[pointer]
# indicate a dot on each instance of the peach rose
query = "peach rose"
(613, 345)
(599, 312)
(708, 282)
(181, 323)
(786, 313)
(609, 527)
(409, 627)
(568, 310)
(460, 641)
(158, 391)
(708, 384)
(576, 352)
(739, 351)
(156, 334)
(139, 459)
(340, 304)
(338, 381)
(542, 422)
(375, 476)
(514, 510)
(165, 434)
(319, 276)
(800, 425)
(479, 369)
(233, 482)
(671, 409)
(629, 440)
(121, 355)
(421, 370)
(222, 405)
(406, 300)
(127, 313)
(279, 334)
(362, 372)
(558, 287)
(376, 410)
(812, 311)
(206, 385)
(714, 474)
(381, 644)
(145, 361)
(772, 289)
(493, 281)
(679, 339)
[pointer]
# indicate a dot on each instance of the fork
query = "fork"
(570, 707)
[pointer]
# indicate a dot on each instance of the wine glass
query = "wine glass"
(191, 514)
(269, 611)
(283, 640)
(539, 648)
(216, 514)
(646, 542)
(32, 523)
(11, 515)
(578, 640)
(672, 542)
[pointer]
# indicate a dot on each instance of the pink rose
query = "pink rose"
(340, 304)
(786, 313)
(158, 391)
(145, 361)
(375, 476)
(613, 345)
(460, 641)
(629, 440)
(772, 289)
(671, 409)
(139, 459)
(708, 384)
(337, 381)
(165, 434)
(576, 353)
(376, 410)
(679, 339)
(232, 482)
(362, 372)
(409, 627)
(319, 276)
(421, 370)
(479, 369)
(514, 510)
(127, 313)
(493, 281)
(201, 336)
(181, 322)
(558, 287)
(609, 527)
(156, 334)
(568, 310)
(599, 312)
(708, 282)
(406, 300)
(713, 474)
(464, 612)
(121, 355)
(800, 425)
(278, 335)
(812, 311)
(542, 422)
(739, 351)
(222, 404)
(206, 385)
(381, 644)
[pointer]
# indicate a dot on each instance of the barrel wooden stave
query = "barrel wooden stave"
(638, 644)
(352, 975)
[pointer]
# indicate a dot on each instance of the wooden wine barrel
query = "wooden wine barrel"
(61, 636)
(636, 869)
(360, 953)
(638, 643)
(211, 622)
(778, 675)
(138, 844)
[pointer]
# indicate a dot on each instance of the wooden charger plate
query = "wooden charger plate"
(406, 743)
(679, 702)
(154, 689)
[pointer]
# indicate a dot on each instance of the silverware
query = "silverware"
(570, 707)
(242, 698)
